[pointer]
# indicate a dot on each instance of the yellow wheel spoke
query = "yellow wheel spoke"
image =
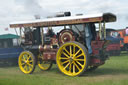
(73, 68)
(29, 68)
(79, 59)
(30, 60)
(79, 63)
(66, 65)
(63, 58)
(43, 62)
(73, 49)
(77, 52)
(25, 67)
(66, 51)
(76, 66)
(24, 58)
(65, 62)
(70, 68)
(70, 51)
(79, 55)
(65, 54)
(30, 65)
(28, 57)
(23, 64)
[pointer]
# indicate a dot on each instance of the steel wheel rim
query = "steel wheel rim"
(26, 63)
(71, 63)
(43, 65)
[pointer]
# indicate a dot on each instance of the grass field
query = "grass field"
(114, 72)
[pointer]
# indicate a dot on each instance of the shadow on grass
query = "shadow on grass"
(8, 62)
(54, 70)
(106, 71)
(124, 53)
(97, 72)
(7, 65)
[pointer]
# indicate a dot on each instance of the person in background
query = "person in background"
(126, 31)
(50, 32)
(88, 37)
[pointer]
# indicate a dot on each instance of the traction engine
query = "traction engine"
(68, 48)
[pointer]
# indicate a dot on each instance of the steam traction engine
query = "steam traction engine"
(67, 48)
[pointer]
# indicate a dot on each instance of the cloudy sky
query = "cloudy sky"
(17, 10)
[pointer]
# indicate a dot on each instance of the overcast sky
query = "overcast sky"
(17, 10)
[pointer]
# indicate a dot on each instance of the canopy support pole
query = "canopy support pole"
(104, 30)
(100, 29)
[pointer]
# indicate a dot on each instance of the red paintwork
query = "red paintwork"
(48, 52)
(66, 35)
(95, 61)
(113, 47)
(96, 46)
(49, 55)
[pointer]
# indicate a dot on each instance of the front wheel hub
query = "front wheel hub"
(71, 59)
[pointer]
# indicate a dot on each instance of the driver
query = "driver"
(88, 37)
(50, 32)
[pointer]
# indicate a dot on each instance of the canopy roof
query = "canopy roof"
(8, 36)
(59, 21)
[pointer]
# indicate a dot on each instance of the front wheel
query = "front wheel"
(27, 62)
(72, 59)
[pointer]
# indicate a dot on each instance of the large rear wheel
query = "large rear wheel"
(27, 62)
(72, 58)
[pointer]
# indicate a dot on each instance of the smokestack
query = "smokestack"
(63, 14)
(79, 14)
(37, 16)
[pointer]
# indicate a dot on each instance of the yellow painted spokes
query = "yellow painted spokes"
(27, 62)
(44, 65)
(71, 51)
(67, 61)
(71, 58)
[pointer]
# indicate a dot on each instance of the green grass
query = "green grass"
(113, 72)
